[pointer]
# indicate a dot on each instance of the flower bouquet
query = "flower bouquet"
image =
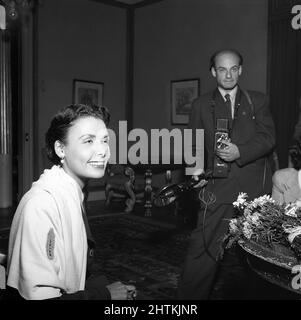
(263, 223)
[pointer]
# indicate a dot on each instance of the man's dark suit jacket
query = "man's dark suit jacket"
(254, 136)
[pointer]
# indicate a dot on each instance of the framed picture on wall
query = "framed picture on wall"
(183, 92)
(87, 92)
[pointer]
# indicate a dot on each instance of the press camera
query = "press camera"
(220, 167)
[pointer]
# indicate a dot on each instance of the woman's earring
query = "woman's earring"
(62, 161)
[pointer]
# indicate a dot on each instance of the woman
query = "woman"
(48, 248)
(287, 182)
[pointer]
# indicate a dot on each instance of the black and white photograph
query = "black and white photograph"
(150, 151)
(87, 92)
(183, 92)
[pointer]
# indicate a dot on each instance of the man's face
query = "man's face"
(227, 70)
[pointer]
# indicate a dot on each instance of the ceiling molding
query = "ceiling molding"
(120, 4)
(144, 3)
(114, 3)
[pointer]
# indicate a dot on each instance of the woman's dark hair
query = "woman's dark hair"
(295, 153)
(64, 119)
(215, 54)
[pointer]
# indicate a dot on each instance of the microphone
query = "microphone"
(169, 193)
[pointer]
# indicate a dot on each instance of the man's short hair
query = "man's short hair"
(213, 57)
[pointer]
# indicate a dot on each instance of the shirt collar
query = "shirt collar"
(232, 93)
(74, 183)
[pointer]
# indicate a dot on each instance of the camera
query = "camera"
(220, 167)
(219, 137)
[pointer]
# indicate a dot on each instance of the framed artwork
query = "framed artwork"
(87, 92)
(183, 92)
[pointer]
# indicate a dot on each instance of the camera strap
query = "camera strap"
(253, 117)
(246, 93)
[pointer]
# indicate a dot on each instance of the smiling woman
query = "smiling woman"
(50, 243)
(84, 153)
(77, 140)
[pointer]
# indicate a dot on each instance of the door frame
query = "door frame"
(26, 160)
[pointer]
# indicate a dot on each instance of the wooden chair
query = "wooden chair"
(122, 185)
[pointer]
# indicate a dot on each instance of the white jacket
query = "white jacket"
(48, 244)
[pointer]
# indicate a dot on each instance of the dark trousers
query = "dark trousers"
(201, 266)
(234, 278)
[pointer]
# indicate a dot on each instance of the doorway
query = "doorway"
(21, 35)
(15, 36)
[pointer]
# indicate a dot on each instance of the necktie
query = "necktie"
(229, 105)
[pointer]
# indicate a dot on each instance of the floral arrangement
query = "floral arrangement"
(265, 221)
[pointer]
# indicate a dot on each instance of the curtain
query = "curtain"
(284, 74)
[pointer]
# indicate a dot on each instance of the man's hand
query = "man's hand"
(229, 153)
(201, 182)
(195, 177)
(120, 291)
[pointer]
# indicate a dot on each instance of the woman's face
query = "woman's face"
(86, 151)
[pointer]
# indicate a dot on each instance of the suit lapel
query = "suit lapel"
(242, 110)
(237, 108)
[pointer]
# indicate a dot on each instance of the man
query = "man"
(243, 163)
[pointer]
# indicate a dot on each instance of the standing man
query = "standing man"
(239, 164)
